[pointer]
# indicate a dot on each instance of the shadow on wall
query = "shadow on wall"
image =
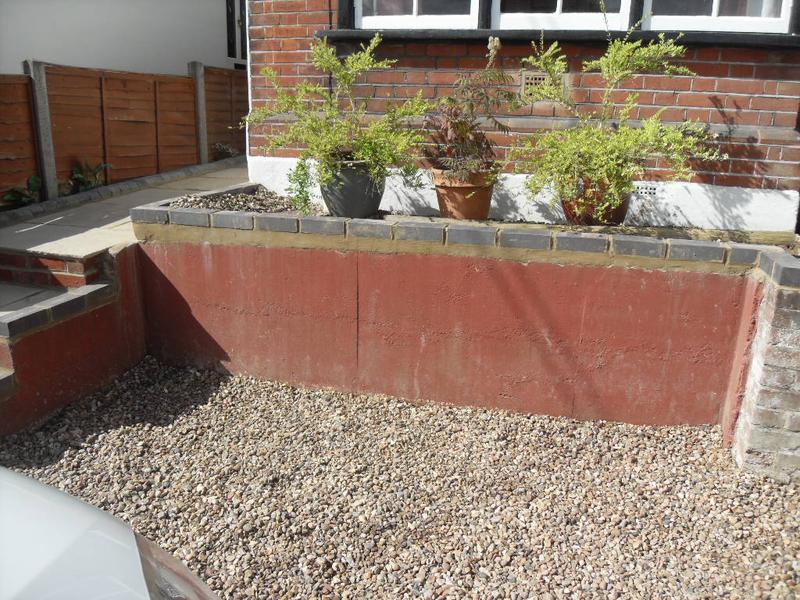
(198, 347)
(150, 393)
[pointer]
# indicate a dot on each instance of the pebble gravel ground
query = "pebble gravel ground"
(270, 491)
(260, 201)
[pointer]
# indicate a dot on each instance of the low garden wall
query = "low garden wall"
(591, 326)
(61, 350)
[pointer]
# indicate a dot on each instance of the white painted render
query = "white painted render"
(676, 204)
(149, 36)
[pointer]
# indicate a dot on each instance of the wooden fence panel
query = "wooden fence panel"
(177, 124)
(226, 105)
(138, 123)
(129, 105)
(17, 132)
(76, 116)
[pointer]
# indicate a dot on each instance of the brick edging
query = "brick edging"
(780, 266)
(47, 207)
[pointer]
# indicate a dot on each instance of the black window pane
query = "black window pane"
(374, 8)
(243, 28)
(443, 7)
(573, 6)
(750, 8)
(528, 6)
(231, 21)
(682, 7)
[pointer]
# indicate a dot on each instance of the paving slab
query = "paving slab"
(105, 212)
(93, 228)
(202, 184)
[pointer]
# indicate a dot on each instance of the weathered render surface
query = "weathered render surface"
(570, 331)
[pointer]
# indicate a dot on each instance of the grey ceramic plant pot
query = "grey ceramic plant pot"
(353, 193)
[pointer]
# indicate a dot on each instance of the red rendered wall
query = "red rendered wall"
(61, 364)
(590, 342)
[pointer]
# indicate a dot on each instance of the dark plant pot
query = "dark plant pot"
(353, 193)
(458, 199)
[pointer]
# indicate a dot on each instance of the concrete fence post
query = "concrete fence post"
(197, 72)
(44, 130)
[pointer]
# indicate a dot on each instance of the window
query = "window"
(561, 14)
(417, 14)
(742, 16)
(237, 29)
(767, 16)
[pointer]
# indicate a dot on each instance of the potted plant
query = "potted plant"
(344, 150)
(591, 168)
(16, 197)
(463, 157)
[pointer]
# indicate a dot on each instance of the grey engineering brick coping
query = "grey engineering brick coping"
(778, 264)
(71, 302)
(276, 222)
(782, 267)
(696, 250)
(639, 245)
(471, 235)
(369, 228)
(520, 238)
(419, 232)
(231, 219)
(323, 225)
(582, 242)
(192, 217)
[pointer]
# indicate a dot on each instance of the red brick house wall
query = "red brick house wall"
(750, 95)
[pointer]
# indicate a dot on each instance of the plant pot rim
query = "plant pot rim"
(445, 171)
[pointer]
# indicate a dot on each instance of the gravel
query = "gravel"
(260, 201)
(272, 491)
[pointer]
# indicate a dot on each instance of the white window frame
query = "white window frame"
(717, 23)
(415, 21)
(562, 21)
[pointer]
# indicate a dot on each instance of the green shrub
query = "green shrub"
(604, 153)
(331, 127)
(28, 195)
(457, 128)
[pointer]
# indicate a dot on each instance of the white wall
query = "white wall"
(674, 204)
(150, 36)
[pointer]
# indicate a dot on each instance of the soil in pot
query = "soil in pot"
(470, 199)
(353, 193)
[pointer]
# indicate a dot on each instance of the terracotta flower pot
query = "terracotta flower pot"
(469, 199)
(583, 209)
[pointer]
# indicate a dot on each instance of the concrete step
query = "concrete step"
(29, 308)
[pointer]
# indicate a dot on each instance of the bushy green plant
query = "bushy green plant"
(28, 195)
(331, 127)
(595, 163)
(457, 128)
(85, 177)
